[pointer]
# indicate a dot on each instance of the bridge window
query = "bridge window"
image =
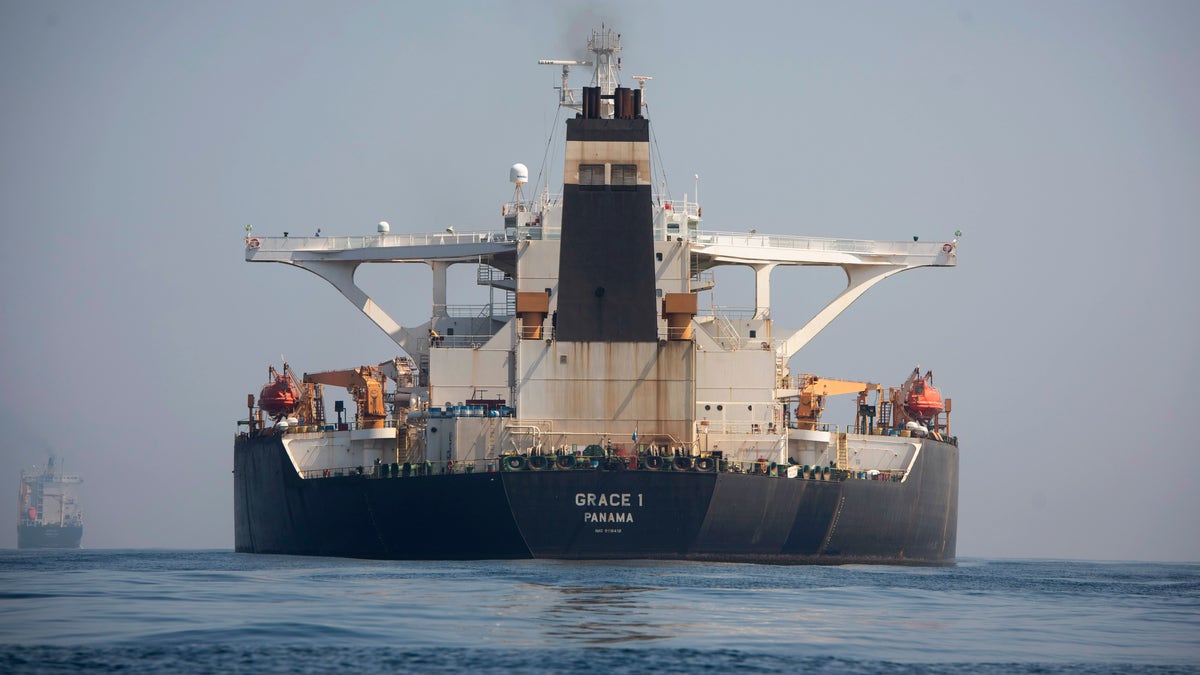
(624, 174)
(591, 174)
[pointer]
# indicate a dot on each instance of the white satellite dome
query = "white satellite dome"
(384, 228)
(519, 173)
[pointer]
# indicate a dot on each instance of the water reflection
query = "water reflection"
(604, 615)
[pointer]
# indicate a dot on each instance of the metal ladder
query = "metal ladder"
(884, 419)
(319, 401)
(423, 370)
(486, 275)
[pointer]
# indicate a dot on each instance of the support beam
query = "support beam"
(341, 276)
(439, 286)
(859, 279)
(762, 290)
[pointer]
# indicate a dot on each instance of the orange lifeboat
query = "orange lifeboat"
(279, 398)
(923, 400)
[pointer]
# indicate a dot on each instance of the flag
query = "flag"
(635, 427)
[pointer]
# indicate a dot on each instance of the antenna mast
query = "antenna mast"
(605, 44)
(566, 95)
(642, 80)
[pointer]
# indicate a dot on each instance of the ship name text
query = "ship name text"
(606, 499)
(620, 500)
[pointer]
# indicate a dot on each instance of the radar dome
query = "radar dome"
(384, 228)
(519, 173)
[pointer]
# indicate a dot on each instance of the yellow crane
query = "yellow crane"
(365, 384)
(814, 389)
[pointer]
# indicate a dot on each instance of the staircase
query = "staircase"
(843, 452)
(884, 419)
(700, 280)
(423, 370)
(486, 275)
(319, 403)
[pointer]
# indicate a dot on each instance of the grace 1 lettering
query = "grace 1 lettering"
(612, 499)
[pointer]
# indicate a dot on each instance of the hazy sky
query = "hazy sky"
(139, 138)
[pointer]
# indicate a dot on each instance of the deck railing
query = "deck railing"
(867, 246)
(702, 237)
(321, 243)
(569, 462)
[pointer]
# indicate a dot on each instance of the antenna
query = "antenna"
(518, 175)
(605, 44)
(566, 95)
(642, 80)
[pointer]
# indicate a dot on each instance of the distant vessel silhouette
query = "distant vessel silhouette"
(48, 513)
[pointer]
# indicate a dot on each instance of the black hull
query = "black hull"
(670, 515)
(49, 536)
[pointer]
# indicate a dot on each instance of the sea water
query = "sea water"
(218, 611)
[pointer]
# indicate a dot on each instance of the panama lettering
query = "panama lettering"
(609, 500)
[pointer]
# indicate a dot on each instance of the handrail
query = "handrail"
(868, 246)
(743, 427)
(464, 341)
(727, 312)
(466, 311)
(342, 243)
(324, 427)
(680, 206)
(702, 237)
(569, 462)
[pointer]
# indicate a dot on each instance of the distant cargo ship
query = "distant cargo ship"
(595, 408)
(48, 515)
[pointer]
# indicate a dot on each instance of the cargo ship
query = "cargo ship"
(48, 513)
(599, 404)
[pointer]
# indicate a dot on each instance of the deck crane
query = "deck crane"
(814, 389)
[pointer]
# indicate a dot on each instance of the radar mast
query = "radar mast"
(606, 46)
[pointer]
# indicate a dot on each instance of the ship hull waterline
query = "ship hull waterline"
(49, 536)
(594, 514)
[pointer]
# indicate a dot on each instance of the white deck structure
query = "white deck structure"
(729, 397)
(865, 262)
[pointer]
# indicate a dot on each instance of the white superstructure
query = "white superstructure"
(740, 372)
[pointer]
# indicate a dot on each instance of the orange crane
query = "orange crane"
(814, 389)
(366, 385)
